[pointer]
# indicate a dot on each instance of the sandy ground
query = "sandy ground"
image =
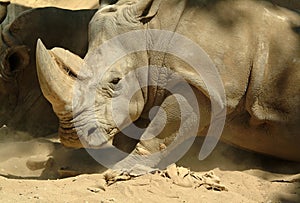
(41, 170)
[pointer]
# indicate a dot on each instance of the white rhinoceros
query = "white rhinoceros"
(254, 45)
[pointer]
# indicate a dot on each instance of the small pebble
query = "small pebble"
(39, 162)
(93, 189)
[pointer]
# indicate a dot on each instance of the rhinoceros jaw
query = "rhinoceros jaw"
(85, 134)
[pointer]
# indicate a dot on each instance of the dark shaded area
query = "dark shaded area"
(230, 158)
(296, 30)
(290, 4)
(23, 106)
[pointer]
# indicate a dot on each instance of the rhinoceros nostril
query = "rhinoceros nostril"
(92, 130)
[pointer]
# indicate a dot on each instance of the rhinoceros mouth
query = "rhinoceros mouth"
(89, 135)
(74, 139)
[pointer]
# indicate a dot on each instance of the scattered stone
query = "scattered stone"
(39, 162)
(178, 175)
(108, 200)
(184, 177)
(114, 176)
(93, 189)
(66, 172)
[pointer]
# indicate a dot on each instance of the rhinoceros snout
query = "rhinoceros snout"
(90, 135)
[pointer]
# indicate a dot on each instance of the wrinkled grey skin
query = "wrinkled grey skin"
(22, 105)
(255, 46)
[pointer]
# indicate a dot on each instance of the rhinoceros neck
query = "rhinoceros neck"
(165, 13)
(156, 90)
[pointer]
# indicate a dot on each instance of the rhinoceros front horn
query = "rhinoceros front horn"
(57, 71)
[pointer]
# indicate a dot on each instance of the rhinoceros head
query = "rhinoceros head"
(14, 60)
(22, 105)
(82, 91)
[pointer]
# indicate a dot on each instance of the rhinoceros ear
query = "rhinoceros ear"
(146, 9)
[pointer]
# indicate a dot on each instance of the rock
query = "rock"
(39, 162)
(93, 189)
(65, 173)
(184, 177)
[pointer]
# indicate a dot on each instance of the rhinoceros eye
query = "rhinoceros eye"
(115, 81)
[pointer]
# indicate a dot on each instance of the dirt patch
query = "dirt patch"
(43, 170)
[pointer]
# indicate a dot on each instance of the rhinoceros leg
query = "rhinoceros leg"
(168, 136)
